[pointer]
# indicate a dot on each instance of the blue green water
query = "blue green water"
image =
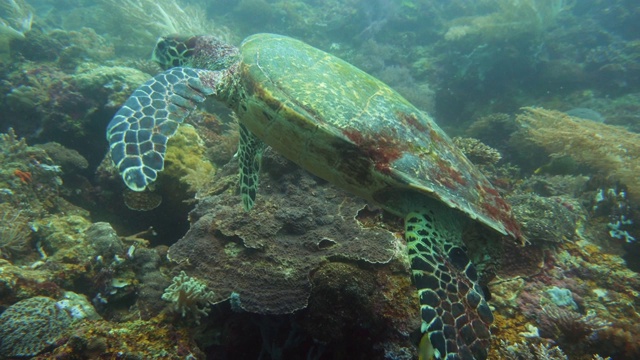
(67, 66)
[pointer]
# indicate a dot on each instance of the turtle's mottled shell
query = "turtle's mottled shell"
(353, 130)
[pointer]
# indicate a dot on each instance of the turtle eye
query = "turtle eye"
(161, 45)
(174, 51)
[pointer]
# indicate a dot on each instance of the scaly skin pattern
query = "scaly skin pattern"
(342, 125)
(139, 131)
(250, 151)
(454, 313)
(348, 127)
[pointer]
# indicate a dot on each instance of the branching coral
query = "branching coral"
(612, 150)
(477, 152)
(188, 296)
(528, 351)
(10, 144)
(567, 326)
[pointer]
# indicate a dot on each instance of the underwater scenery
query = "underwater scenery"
(320, 179)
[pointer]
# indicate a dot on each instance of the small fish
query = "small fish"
(425, 349)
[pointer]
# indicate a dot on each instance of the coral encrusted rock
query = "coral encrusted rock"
(263, 257)
(30, 326)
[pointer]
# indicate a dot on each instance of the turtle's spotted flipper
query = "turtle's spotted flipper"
(250, 155)
(139, 131)
(455, 316)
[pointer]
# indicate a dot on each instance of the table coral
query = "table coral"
(265, 256)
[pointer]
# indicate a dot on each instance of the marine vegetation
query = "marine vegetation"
(510, 18)
(16, 18)
(136, 23)
(613, 151)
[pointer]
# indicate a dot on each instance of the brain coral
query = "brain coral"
(264, 256)
(30, 326)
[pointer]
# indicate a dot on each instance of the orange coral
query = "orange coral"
(24, 176)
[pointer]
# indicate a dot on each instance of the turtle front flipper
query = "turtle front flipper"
(139, 131)
(250, 156)
(455, 316)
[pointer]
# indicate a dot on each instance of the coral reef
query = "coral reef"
(568, 327)
(137, 23)
(493, 129)
(555, 185)
(334, 268)
(135, 339)
(347, 300)
(77, 306)
(62, 236)
(511, 18)
(477, 152)
(68, 159)
(29, 180)
(611, 150)
(188, 296)
(115, 83)
(151, 281)
(526, 351)
(30, 326)
(16, 18)
(547, 219)
(265, 256)
(185, 162)
(14, 231)
(44, 93)
(580, 275)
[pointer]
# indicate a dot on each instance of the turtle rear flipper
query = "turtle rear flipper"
(250, 156)
(139, 131)
(455, 315)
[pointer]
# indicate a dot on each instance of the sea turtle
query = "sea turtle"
(342, 125)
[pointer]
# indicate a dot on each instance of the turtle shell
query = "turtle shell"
(353, 130)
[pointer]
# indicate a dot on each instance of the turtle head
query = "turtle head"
(200, 51)
(173, 51)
